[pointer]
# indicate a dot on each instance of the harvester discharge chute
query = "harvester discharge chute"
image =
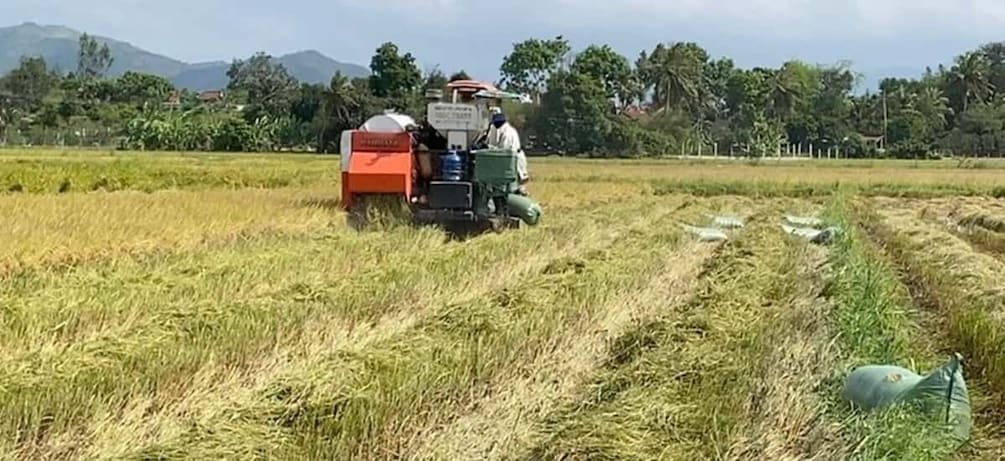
(440, 168)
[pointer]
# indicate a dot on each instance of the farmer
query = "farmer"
(506, 137)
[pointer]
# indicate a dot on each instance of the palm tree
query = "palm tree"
(676, 74)
(341, 102)
(340, 99)
(866, 114)
(787, 90)
(971, 76)
(932, 104)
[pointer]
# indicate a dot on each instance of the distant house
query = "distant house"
(211, 96)
(635, 113)
(879, 142)
(173, 99)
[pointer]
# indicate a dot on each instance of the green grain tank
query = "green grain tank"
(495, 172)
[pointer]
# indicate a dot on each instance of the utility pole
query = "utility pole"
(885, 121)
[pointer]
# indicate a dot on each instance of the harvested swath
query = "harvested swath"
(964, 286)
(988, 222)
(680, 387)
(367, 403)
(782, 417)
(982, 238)
(502, 424)
(983, 224)
(974, 219)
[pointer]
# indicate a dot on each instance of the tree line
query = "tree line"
(672, 99)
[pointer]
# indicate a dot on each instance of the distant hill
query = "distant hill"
(58, 45)
(307, 66)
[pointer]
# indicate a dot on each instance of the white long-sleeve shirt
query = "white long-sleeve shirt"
(506, 137)
(493, 136)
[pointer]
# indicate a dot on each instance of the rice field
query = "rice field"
(194, 306)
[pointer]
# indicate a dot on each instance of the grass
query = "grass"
(878, 324)
(194, 306)
(961, 288)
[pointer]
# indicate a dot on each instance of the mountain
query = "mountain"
(58, 45)
(307, 66)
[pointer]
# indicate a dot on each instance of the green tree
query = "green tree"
(574, 113)
(764, 137)
(137, 88)
(933, 105)
(610, 69)
(436, 79)
(268, 86)
(829, 106)
(792, 87)
(531, 63)
(459, 75)
(971, 77)
(715, 87)
(309, 102)
(346, 105)
(27, 86)
(994, 55)
(866, 114)
(394, 76)
(307, 108)
(675, 74)
(93, 60)
(747, 99)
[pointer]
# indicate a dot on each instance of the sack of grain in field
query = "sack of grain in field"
(942, 394)
(726, 222)
(817, 236)
(707, 234)
(802, 221)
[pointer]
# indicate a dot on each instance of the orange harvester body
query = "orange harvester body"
(380, 163)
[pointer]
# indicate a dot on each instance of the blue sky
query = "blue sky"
(878, 36)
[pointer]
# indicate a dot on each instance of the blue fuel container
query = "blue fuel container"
(451, 166)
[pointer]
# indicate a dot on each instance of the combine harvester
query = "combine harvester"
(440, 169)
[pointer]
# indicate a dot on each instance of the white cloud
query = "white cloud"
(782, 18)
(475, 34)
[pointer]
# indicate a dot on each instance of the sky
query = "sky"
(898, 37)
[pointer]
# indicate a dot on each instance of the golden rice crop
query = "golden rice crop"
(118, 334)
(72, 228)
(202, 306)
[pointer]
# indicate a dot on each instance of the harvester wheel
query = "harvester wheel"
(497, 226)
